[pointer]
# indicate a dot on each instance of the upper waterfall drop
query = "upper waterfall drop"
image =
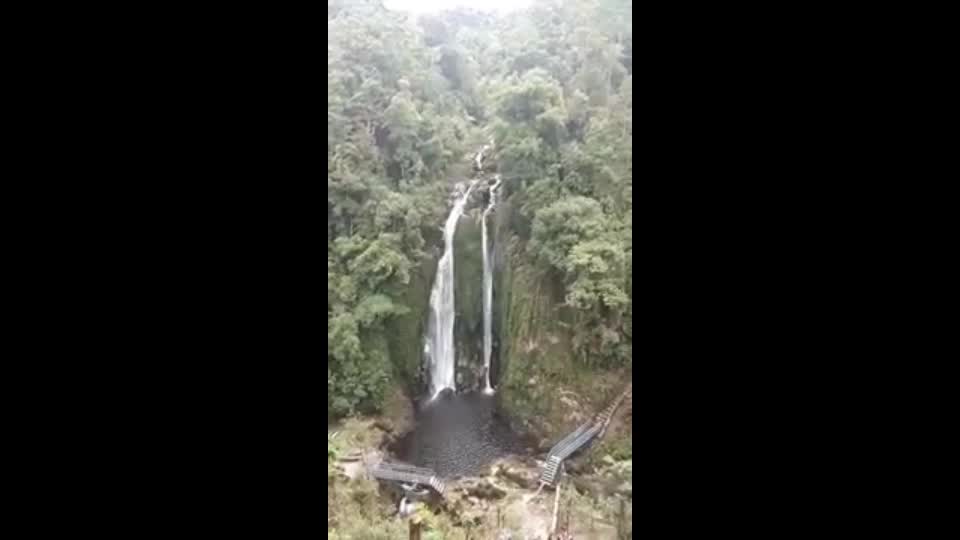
(488, 290)
(439, 347)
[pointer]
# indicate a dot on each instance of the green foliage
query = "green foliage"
(395, 130)
(355, 511)
(576, 238)
(409, 101)
(332, 453)
(558, 228)
(356, 376)
(562, 106)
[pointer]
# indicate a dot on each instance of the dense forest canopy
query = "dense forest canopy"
(410, 100)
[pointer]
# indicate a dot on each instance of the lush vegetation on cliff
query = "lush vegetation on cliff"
(409, 102)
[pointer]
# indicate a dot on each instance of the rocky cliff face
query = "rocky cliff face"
(545, 389)
(468, 329)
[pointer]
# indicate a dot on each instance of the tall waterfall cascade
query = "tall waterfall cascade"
(488, 289)
(439, 346)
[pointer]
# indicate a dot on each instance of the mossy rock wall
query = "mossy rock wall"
(544, 389)
(468, 300)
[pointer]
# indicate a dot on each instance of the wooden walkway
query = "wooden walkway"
(408, 474)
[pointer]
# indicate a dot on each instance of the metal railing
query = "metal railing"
(409, 474)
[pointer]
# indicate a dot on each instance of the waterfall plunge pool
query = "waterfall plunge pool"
(458, 435)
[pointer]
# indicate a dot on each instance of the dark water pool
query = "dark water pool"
(458, 434)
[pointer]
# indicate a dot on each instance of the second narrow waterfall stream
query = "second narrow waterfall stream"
(488, 290)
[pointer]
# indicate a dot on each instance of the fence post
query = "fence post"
(414, 529)
(621, 520)
(556, 501)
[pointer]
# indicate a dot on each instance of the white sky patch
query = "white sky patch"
(424, 6)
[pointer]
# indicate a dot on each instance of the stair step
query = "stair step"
(549, 474)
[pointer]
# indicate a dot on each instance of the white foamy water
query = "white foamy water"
(488, 290)
(439, 347)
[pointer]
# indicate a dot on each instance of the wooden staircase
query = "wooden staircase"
(581, 436)
(607, 414)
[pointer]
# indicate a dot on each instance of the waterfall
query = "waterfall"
(488, 290)
(439, 343)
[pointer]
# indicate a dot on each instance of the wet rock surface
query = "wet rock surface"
(480, 488)
(523, 474)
